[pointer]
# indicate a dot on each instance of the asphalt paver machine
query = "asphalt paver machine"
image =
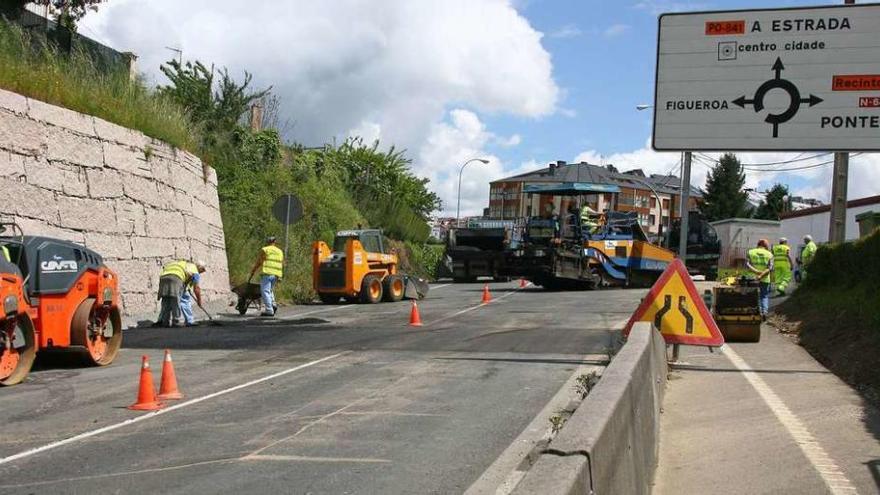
(56, 295)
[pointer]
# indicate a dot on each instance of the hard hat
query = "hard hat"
(270, 239)
(808, 238)
(783, 240)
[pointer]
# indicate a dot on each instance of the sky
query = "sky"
(519, 83)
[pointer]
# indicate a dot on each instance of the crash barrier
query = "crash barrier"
(610, 443)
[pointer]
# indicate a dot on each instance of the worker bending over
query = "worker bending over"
(782, 265)
(191, 289)
(176, 278)
(807, 255)
(270, 262)
(760, 263)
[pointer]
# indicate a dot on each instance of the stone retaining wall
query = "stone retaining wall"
(136, 201)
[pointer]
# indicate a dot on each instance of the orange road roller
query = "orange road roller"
(56, 295)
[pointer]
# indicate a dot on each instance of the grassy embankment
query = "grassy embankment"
(253, 170)
(836, 312)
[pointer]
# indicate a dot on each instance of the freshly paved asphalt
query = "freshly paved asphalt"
(390, 409)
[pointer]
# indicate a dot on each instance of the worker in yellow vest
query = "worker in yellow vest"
(782, 265)
(760, 262)
(5, 253)
(176, 278)
(270, 262)
(807, 255)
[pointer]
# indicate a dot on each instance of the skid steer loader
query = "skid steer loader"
(67, 298)
(359, 268)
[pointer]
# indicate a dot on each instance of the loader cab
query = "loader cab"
(370, 239)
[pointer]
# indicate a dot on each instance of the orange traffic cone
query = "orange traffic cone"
(146, 399)
(487, 298)
(168, 386)
(415, 320)
(522, 283)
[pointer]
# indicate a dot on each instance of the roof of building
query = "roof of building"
(756, 221)
(587, 172)
(868, 201)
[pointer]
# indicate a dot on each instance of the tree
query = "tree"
(775, 202)
(67, 12)
(218, 106)
(724, 196)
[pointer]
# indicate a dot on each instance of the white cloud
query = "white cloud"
(508, 142)
(567, 31)
(616, 30)
(657, 7)
(352, 66)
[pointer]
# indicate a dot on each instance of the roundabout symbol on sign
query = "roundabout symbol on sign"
(778, 82)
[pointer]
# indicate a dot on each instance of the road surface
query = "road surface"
(324, 399)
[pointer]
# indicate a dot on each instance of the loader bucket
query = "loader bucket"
(416, 288)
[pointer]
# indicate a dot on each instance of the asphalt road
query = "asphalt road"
(323, 399)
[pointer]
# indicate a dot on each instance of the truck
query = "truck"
(703, 246)
(477, 250)
(558, 252)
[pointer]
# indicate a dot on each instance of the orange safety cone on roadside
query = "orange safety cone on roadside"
(146, 398)
(487, 298)
(168, 386)
(415, 320)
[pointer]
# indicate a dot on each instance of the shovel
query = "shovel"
(211, 320)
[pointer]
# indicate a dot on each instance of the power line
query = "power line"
(799, 158)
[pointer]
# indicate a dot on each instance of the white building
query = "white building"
(814, 221)
(738, 235)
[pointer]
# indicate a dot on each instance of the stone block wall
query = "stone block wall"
(138, 202)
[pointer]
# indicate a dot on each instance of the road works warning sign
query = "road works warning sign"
(674, 306)
(769, 80)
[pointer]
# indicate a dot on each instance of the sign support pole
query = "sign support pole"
(685, 189)
(837, 218)
(287, 229)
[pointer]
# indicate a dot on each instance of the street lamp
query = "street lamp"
(463, 165)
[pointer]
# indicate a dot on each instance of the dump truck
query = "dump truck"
(560, 253)
(70, 298)
(359, 267)
(703, 246)
(477, 250)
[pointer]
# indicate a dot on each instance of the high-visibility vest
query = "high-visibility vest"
(760, 258)
(273, 262)
(780, 255)
(809, 252)
(6, 253)
(183, 270)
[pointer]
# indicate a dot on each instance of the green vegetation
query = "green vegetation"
(776, 201)
(836, 314)
(724, 196)
(202, 110)
(78, 84)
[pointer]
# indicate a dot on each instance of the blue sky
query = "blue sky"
(518, 82)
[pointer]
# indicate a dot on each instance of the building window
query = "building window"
(643, 219)
(653, 203)
(665, 220)
(652, 219)
(665, 204)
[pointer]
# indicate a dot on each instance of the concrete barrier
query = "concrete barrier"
(610, 444)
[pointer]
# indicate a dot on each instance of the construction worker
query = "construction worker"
(782, 265)
(589, 219)
(760, 262)
(807, 255)
(175, 278)
(270, 262)
(191, 290)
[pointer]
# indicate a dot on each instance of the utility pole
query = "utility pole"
(683, 207)
(839, 179)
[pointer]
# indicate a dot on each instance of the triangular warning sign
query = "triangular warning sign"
(675, 307)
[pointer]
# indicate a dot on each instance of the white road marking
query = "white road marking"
(472, 308)
(191, 402)
(833, 477)
(303, 458)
